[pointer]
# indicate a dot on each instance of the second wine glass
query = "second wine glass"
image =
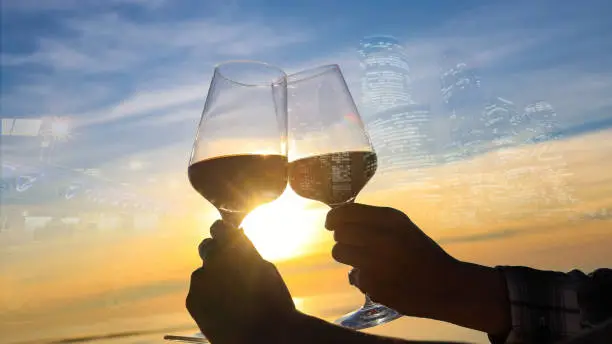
(330, 156)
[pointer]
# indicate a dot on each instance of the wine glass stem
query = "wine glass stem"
(368, 301)
(233, 219)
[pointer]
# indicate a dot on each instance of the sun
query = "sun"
(285, 228)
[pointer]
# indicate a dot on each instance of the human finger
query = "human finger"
(233, 257)
(361, 214)
(359, 257)
(376, 238)
(377, 285)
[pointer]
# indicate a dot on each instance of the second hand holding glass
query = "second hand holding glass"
(330, 155)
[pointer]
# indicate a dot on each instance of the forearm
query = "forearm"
(477, 298)
(304, 329)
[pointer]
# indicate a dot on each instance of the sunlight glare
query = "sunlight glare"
(283, 229)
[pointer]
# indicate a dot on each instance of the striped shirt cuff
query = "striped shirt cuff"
(543, 306)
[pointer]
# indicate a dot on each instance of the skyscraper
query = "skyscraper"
(542, 120)
(400, 134)
(385, 82)
(399, 127)
(464, 101)
(499, 121)
(460, 84)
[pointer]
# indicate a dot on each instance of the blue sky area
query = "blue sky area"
(138, 71)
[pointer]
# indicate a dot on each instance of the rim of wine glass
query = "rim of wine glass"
(282, 78)
(312, 73)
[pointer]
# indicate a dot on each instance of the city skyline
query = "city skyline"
(401, 129)
(478, 123)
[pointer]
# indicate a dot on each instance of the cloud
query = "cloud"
(478, 237)
(110, 42)
(72, 5)
(45, 96)
(169, 64)
(149, 102)
(602, 214)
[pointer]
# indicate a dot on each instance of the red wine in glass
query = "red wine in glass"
(236, 184)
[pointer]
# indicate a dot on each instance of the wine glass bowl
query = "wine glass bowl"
(330, 155)
(239, 158)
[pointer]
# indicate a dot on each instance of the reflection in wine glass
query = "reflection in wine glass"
(330, 155)
(239, 158)
(196, 338)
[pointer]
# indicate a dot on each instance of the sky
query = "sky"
(132, 77)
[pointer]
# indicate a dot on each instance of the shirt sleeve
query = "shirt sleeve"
(548, 306)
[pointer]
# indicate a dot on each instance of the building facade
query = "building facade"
(498, 123)
(399, 127)
(401, 134)
(463, 100)
(385, 82)
(541, 118)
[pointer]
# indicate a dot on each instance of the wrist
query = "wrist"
(288, 328)
(481, 295)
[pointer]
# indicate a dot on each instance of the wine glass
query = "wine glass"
(330, 156)
(239, 158)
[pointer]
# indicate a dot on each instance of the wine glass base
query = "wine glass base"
(367, 316)
(196, 338)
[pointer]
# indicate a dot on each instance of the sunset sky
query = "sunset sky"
(132, 76)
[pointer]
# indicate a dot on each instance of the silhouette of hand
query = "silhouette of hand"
(397, 264)
(236, 296)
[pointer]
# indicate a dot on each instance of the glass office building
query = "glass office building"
(500, 127)
(542, 120)
(401, 137)
(463, 101)
(385, 82)
(459, 84)
(399, 127)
